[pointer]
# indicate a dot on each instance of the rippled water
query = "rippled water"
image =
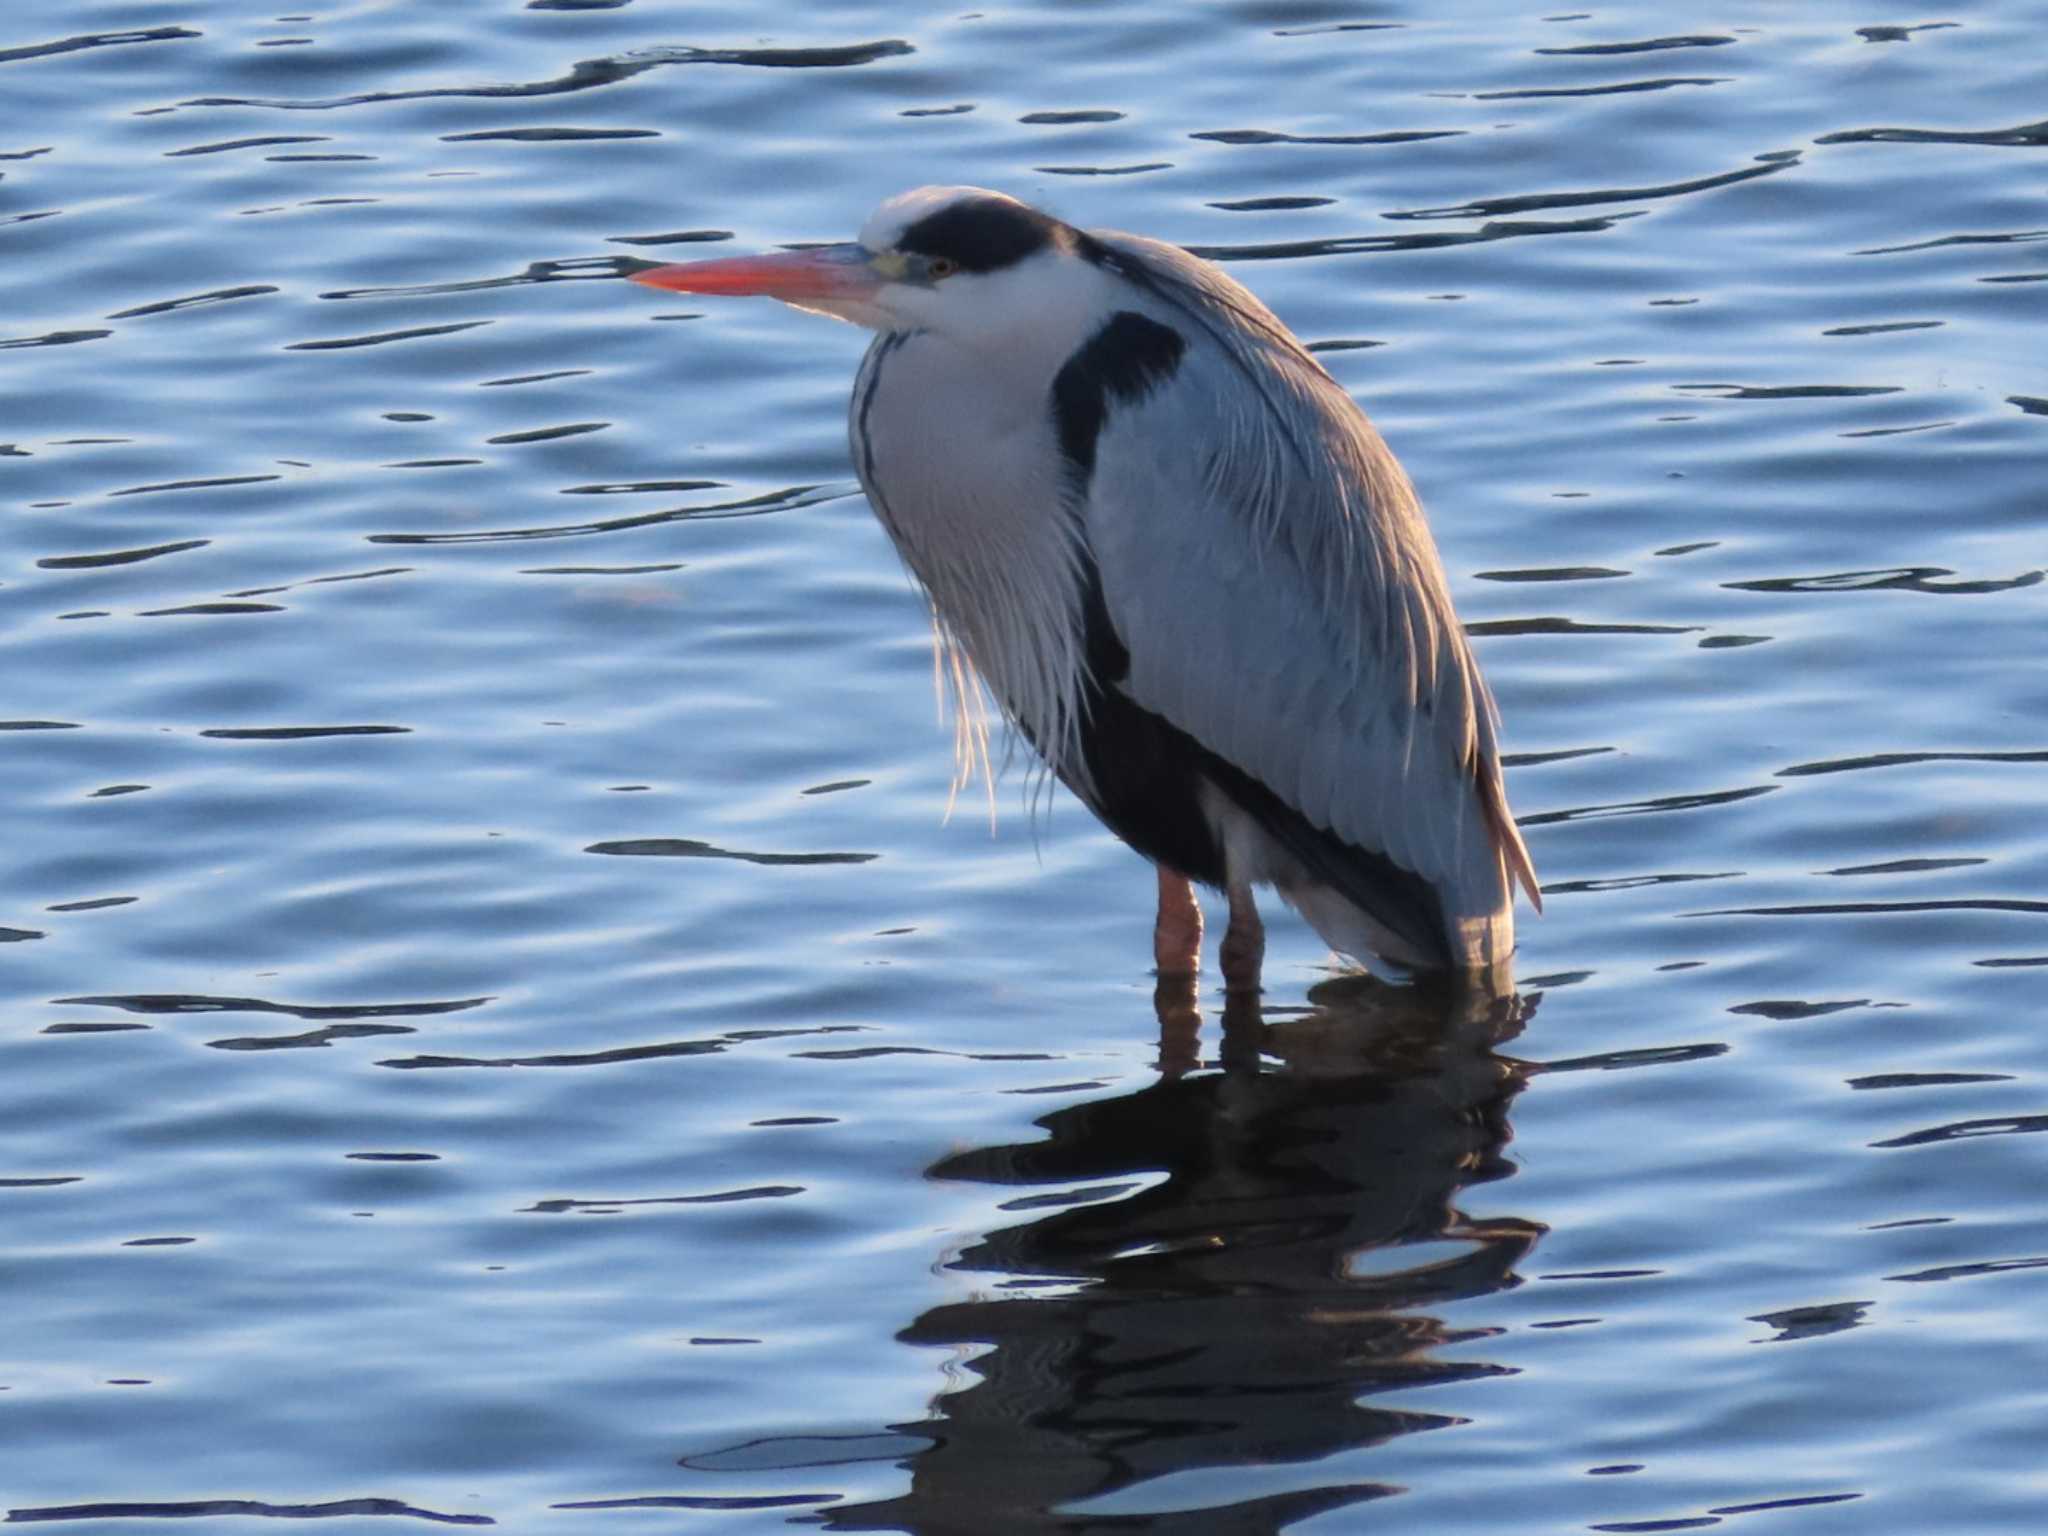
(499, 1028)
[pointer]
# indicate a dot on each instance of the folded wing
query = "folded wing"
(1262, 565)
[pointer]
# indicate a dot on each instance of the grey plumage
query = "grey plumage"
(1186, 566)
(1321, 596)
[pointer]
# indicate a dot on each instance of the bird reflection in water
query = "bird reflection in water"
(1226, 1288)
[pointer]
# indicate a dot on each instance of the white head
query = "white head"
(960, 261)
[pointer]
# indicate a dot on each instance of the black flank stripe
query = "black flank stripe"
(1397, 899)
(1109, 661)
(1146, 777)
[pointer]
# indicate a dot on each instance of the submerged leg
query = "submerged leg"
(1177, 935)
(1244, 1033)
(1244, 942)
(1176, 1001)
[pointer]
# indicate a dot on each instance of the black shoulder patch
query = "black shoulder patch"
(981, 234)
(1126, 360)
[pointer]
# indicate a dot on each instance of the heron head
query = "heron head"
(961, 261)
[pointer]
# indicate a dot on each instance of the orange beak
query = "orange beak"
(825, 272)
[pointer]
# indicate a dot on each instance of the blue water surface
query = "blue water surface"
(500, 1026)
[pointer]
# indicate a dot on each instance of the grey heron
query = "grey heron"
(1186, 566)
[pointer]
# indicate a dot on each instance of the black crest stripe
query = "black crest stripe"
(981, 234)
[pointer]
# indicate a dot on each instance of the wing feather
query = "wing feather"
(1264, 561)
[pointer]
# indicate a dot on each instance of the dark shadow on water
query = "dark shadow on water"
(1225, 1269)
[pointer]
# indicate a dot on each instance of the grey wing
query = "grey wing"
(1263, 560)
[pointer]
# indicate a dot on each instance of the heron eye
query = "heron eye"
(941, 266)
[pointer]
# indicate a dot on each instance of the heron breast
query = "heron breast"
(962, 464)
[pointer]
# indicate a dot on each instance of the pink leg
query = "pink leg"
(1244, 942)
(1177, 935)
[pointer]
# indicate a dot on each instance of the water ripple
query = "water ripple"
(1645, 45)
(705, 1500)
(311, 1039)
(119, 556)
(1814, 1322)
(299, 732)
(2006, 1125)
(547, 434)
(1920, 578)
(54, 339)
(208, 610)
(380, 338)
(548, 135)
(1880, 1080)
(1082, 115)
(1554, 624)
(1898, 34)
(1139, 169)
(1864, 908)
(1906, 866)
(687, 848)
(1617, 88)
(1787, 391)
(210, 483)
(1691, 802)
(614, 1056)
(1285, 204)
(1786, 1010)
(570, 270)
(194, 300)
(589, 74)
(96, 40)
(187, 1509)
(1966, 1271)
(184, 1003)
(1269, 136)
(2026, 136)
(2016, 237)
(1349, 245)
(601, 1207)
(753, 506)
(261, 141)
(1491, 207)
(1899, 760)
(1792, 1501)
